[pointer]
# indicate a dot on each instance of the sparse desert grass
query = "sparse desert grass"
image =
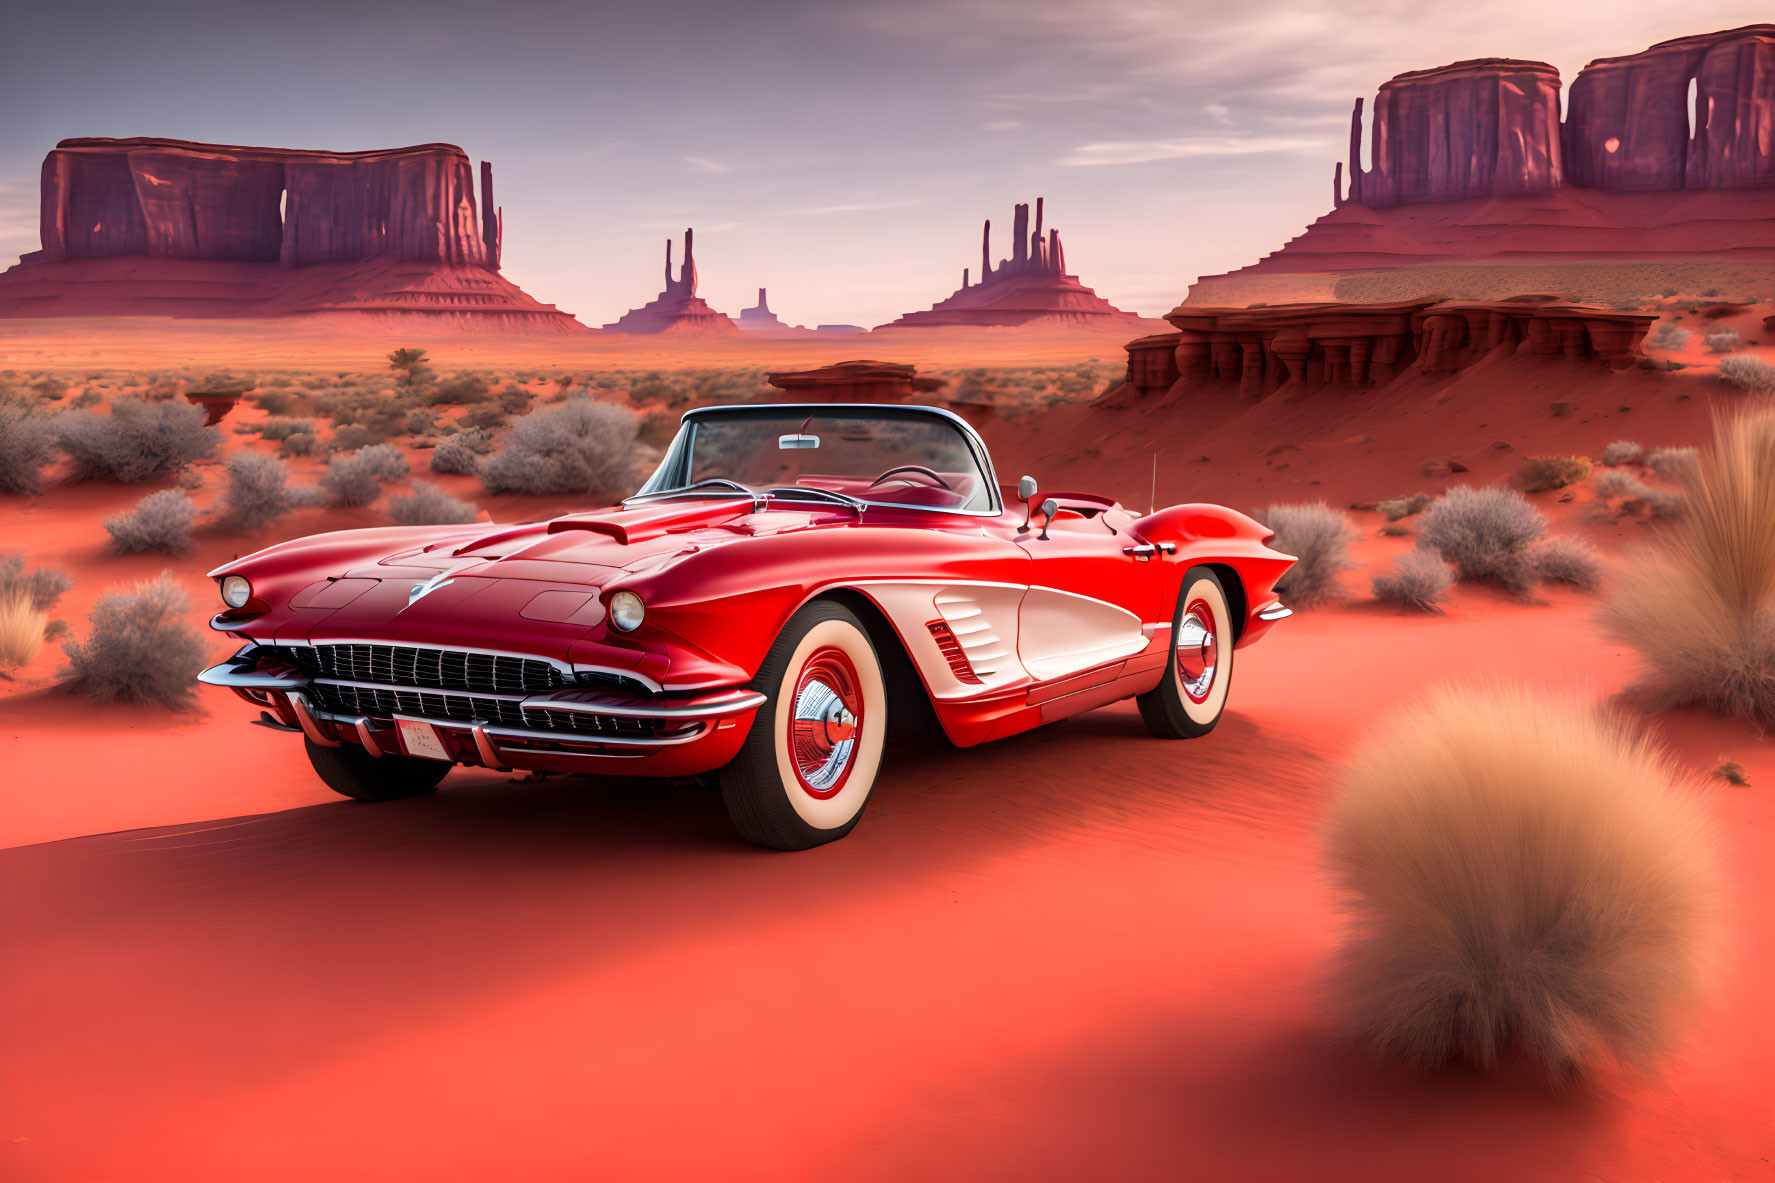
(1417, 579)
(1635, 495)
(258, 491)
(1622, 452)
(137, 440)
(1750, 374)
(140, 648)
(1319, 539)
(1722, 340)
(21, 630)
(1540, 473)
(1403, 507)
(1570, 561)
(489, 417)
(1485, 534)
(1522, 874)
(462, 389)
(1698, 604)
(27, 445)
(1669, 336)
(357, 479)
(282, 429)
(428, 505)
(160, 521)
(579, 446)
(41, 587)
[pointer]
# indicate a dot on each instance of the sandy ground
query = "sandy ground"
(1078, 954)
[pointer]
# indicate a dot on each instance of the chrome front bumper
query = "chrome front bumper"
(288, 692)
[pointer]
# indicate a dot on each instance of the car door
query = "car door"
(1093, 596)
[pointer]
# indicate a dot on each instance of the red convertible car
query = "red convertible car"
(790, 583)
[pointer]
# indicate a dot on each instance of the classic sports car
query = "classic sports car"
(791, 581)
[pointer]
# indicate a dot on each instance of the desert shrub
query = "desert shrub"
(300, 444)
(21, 630)
(1750, 374)
(485, 418)
(579, 446)
(41, 587)
(410, 364)
(86, 399)
(258, 491)
(1622, 452)
(515, 400)
(1404, 507)
(50, 389)
(1417, 579)
(1670, 336)
(1319, 539)
(1613, 483)
(283, 429)
(1485, 534)
(27, 445)
(461, 390)
(1672, 464)
(1721, 340)
(1570, 561)
(377, 415)
(421, 421)
(1549, 895)
(353, 436)
(458, 453)
(1540, 473)
(1698, 603)
(276, 401)
(428, 505)
(139, 648)
(356, 479)
(137, 440)
(160, 521)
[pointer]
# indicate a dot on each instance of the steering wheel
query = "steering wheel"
(920, 469)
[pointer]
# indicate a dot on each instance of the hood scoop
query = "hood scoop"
(628, 526)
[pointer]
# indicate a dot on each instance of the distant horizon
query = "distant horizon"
(841, 156)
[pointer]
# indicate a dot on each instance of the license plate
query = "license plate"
(421, 739)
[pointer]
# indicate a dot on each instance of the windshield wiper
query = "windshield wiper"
(855, 503)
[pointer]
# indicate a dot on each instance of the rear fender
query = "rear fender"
(1234, 544)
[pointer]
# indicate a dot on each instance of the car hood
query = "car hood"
(594, 547)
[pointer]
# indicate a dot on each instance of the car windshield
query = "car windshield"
(878, 455)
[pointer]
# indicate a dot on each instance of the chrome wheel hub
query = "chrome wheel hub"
(1198, 652)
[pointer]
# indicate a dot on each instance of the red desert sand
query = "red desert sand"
(1080, 953)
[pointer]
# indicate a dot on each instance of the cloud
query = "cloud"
(703, 164)
(858, 207)
(1141, 151)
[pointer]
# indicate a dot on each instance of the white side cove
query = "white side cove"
(1061, 633)
(1008, 632)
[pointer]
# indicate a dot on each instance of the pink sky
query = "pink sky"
(842, 154)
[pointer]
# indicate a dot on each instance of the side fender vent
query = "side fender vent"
(952, 652)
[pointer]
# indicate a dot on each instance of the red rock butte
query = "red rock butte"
(1029, 288)
(1663, 156)
(157, 227)
(678, 309)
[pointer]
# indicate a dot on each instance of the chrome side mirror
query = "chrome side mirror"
(1050, 507)
(1026, 488)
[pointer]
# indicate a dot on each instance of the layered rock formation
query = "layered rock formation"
(1694, 113)
(1486, 127)
(1259, 350)
(169, 227)
(760, 319)
(1030, 287)
(1632, 125)
(855, 382)
(677, 309)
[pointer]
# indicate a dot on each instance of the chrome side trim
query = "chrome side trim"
(305, 716)
(631, 675)
(366, 736)
(1274, 612)
(714, 706)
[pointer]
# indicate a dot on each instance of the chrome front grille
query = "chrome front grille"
(430, 669)
(467, 708)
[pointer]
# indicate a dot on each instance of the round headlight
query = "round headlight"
(236, 591)
(627, 611)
